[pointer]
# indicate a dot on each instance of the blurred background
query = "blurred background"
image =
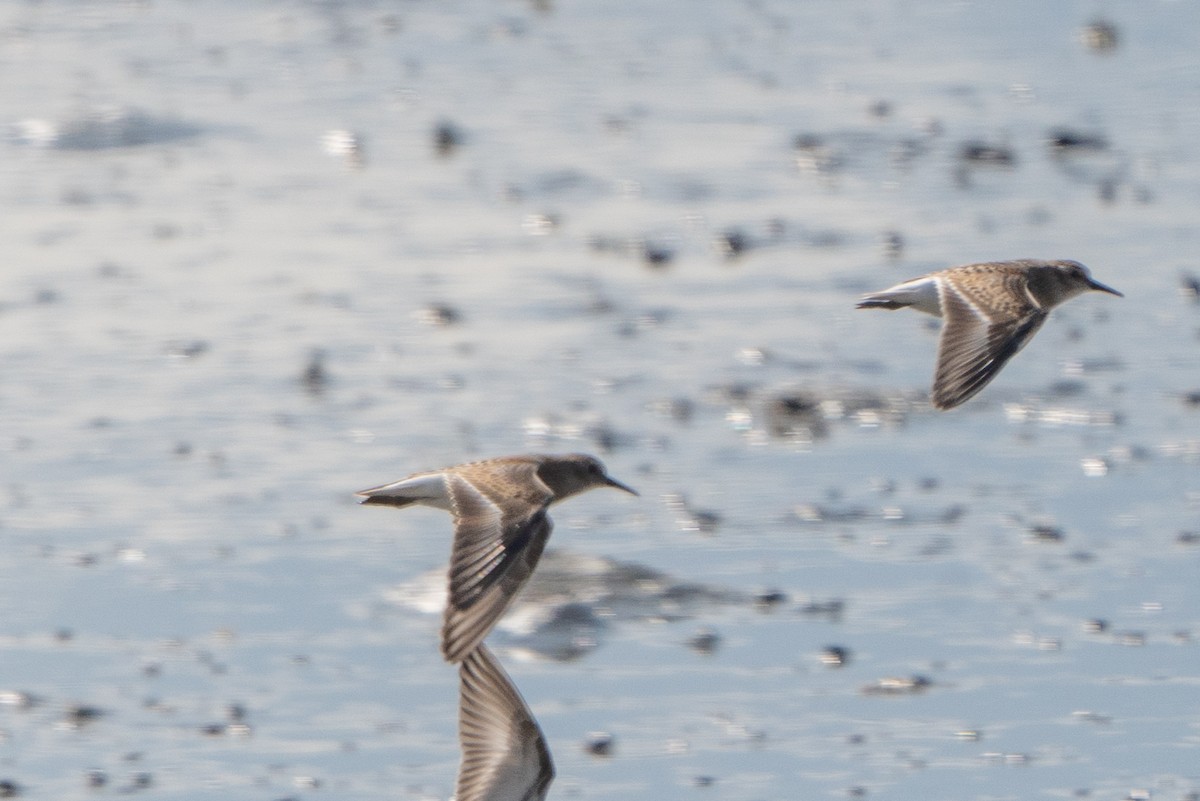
(258, 256)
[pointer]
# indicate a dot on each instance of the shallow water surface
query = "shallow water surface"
(260, 257)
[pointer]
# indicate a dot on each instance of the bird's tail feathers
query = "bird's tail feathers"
(880, 302)
(366, 497)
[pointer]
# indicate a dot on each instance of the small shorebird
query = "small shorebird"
(500, 529)
(991, 311)
(504, 754)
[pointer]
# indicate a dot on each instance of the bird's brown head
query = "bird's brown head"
(1054, 282)
(574, 473)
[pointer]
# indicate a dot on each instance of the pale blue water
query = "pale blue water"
(178, 529)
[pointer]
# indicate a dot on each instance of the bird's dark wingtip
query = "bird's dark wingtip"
(944, 403)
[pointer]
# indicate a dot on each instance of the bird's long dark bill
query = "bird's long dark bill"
(1099, 287)
(612, 482)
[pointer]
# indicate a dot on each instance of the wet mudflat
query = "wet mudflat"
(258, 258)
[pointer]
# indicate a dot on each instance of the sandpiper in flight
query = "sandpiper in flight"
(504, 754)
(990, 312)
(500, 529)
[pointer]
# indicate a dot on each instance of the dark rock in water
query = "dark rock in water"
(704, 521)
(835, 656)
(807, 141)
(1106, 189)
(654, 254)
(1045, 533)
(817, 513)
(987, 154)
(139, 781)
(440, 315)
(657, 255)
(893, 245)
(1064, 140)
(18, 699)
(705, 641)
(599, 744)
(832, 609)
(447, 138)
(1066, 388)
(106, 128)
(1100, 36)
(769, 599)
(605, 243)
(607, 438)
(910, 685)
(315, 378)
(814, 154)
(80, 715)
(9, 788)
(1189, 287)
(809, 415)
(187, 349)
(953, 513)
(732, 243)
(681, 410)
(736, 393)
(796, 414)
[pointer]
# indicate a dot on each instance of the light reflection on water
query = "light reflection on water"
(180, 537)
